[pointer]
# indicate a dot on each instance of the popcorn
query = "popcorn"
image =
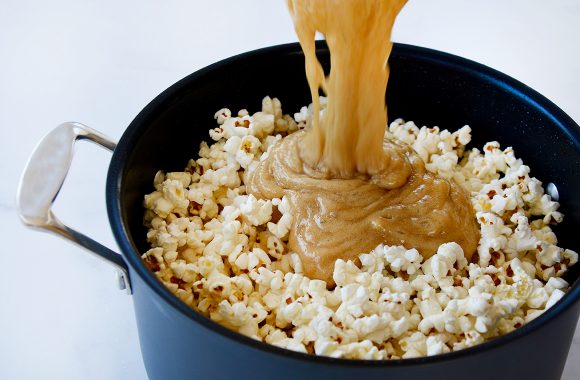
(554, 297)
(444, 261)
(436, 345)
(400, 258)
(224, 252)
(256, 212)
(222, 115)
(537, 298)
(242, 150)
(282, 227)
(414, 345)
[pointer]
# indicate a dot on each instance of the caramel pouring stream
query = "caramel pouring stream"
(349, 187)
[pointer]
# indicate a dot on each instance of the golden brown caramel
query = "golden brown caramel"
(349, 187)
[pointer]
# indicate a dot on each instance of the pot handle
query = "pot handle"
(42, 179)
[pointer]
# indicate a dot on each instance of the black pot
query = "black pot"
(429, 87)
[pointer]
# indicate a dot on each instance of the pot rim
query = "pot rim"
(133, 257)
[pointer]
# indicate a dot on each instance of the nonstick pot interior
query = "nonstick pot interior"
(426, 86)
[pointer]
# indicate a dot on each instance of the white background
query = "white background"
(101, 61)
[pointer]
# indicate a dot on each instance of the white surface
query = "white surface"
(100, 62)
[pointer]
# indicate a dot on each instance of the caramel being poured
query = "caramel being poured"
(349, 187)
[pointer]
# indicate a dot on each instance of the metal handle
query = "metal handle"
(42, 179)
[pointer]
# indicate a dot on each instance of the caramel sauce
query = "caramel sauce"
(350, 188)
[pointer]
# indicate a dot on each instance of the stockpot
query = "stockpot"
(429, 87)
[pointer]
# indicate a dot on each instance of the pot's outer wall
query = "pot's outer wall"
(428, 87)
